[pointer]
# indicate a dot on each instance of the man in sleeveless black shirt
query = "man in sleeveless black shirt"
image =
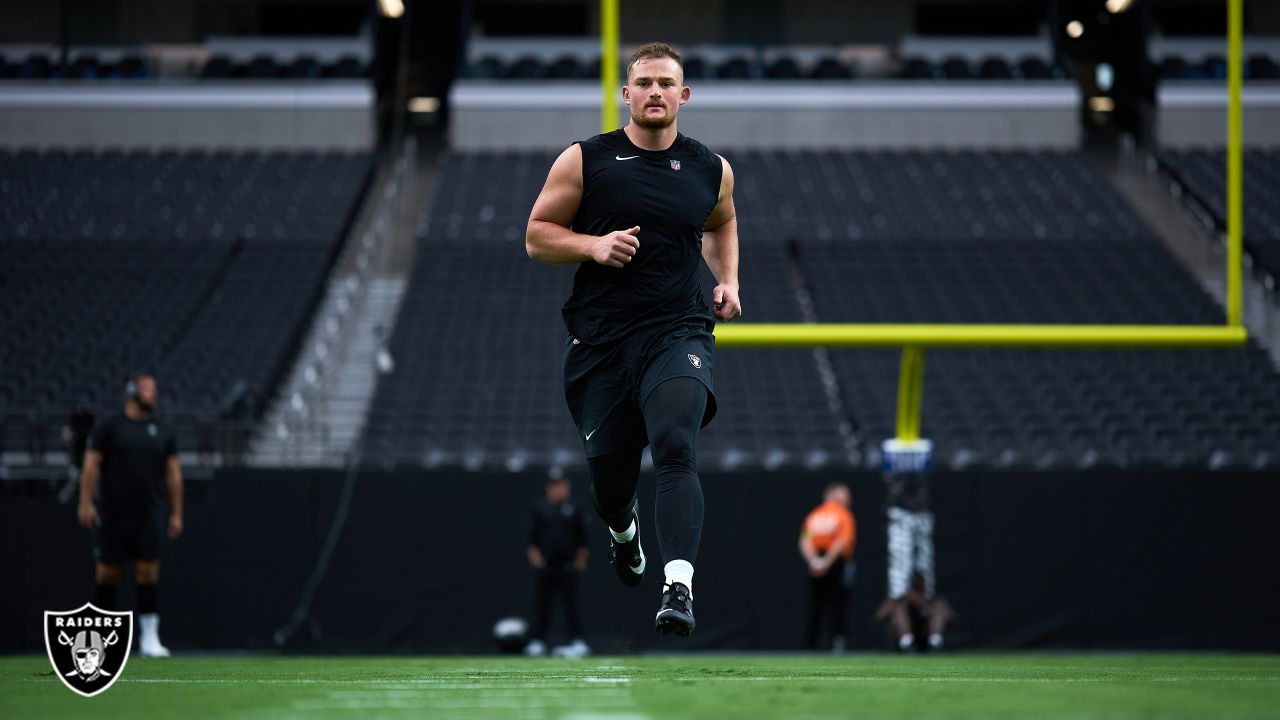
(639, 210)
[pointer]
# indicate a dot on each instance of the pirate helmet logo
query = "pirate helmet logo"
(88, 647)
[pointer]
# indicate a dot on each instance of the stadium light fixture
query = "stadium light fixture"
(1102, 104)
(1075, 29)
(1105, 76)
(391, 8)
(1115, 7)
(424, 104)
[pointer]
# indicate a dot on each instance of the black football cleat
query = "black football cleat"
(676, 614)
(627, 558)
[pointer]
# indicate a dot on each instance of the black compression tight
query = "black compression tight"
(672, 416)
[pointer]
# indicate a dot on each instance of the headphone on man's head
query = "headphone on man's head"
(131, 386)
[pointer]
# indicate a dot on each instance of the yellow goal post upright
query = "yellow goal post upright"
(915, 338)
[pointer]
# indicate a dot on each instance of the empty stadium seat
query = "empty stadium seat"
(201, 267)
(829, 68)
(1202, 175)
(869, 236)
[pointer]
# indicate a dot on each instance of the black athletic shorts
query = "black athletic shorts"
(606, 385)
(120, 538)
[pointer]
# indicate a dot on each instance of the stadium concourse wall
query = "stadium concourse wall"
(783, 115)
(428, 562)
(271, 115)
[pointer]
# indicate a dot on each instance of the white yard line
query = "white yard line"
(605, 716)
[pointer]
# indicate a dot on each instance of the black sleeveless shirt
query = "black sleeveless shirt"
(669, 194)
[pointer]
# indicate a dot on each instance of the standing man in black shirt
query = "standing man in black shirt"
(638, 210)
(130, 457)
(558, 553)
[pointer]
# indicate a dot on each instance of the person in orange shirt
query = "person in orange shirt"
(826, 543)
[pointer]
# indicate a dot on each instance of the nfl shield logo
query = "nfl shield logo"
(675, 164)
(88, 647)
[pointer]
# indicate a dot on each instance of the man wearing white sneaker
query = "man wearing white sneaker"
(638, 210)
(558, 553)
(128, 459)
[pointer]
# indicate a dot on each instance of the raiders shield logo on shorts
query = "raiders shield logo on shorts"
(88, 647)
(695, 361)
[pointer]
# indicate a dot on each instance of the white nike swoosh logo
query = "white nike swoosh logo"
(619, 157)
(593, 432)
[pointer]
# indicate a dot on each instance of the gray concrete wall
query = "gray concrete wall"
(784, 115)
(336, 115)
(1195, 114)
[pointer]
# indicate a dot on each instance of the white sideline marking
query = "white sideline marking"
(577, 683)
(576, 693)
(476, 703)
(883, 678)
(415, 682)
(605, 716)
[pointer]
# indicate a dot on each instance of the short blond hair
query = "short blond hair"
(652, 50)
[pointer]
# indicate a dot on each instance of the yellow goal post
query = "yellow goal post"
(915, 338)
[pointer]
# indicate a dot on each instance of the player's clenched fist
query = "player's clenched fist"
(88, 515)
(617, 248)
(727, 306)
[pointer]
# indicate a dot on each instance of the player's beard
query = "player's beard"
(651, 123)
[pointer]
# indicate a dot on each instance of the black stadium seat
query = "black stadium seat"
(84, 67)
(916, 68)
(36, 67)
(994, 68)
(346, 67)
(957, 68)
(1262, 67)
(132, 67)
(1202, 175)
(869, 236)
(211, 262)
(784, 68)
(302, 67)
(1033, 68)
(260, 67)
(527, 68)
(566, 68)
(217, 67)
(734, 69)
(695, 68)
(829, 68)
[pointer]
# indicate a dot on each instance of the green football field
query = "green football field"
(658, 688)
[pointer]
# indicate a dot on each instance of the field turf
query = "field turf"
(663, 688)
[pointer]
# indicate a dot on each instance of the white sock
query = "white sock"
(906, 641)
(680, 571)
(625, 535)
(149, 623)
(935, 641)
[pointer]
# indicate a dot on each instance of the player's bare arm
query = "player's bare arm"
(548, 238)
(86, 512)
(173, 486)
(720, 250)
